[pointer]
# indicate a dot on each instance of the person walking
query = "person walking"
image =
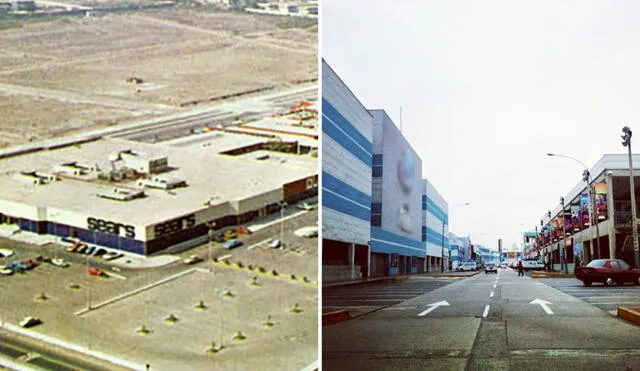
(520, 268)
(363, 271)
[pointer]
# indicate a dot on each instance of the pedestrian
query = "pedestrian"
(520, 269)
(363, 271)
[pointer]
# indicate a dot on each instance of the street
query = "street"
(489, 321)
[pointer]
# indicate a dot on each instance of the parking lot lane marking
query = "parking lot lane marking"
(114, 275)
(133, 292)
(224, 257)
(312, 367)
(257, 244)
(486, 311)
(491, 295)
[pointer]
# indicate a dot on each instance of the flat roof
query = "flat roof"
(209, 176)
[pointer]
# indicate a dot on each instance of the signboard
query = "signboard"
(395, 257)
(107, 226)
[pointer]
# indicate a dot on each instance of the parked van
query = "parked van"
(532, 265)
(468, 266)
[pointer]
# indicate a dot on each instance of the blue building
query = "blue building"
(435, 228)
(347, 153)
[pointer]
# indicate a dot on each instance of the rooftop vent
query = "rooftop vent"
(121, 194)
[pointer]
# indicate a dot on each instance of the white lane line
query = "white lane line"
(486, 311)
(257, 244)
(492, 291)
(494, 286)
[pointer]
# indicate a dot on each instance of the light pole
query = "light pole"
(445, 220)
(564, 239)
(593, 219)
(283, 205)
(626, 137)
(211, 225)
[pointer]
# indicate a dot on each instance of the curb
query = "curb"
(631, 314)
(335, 317)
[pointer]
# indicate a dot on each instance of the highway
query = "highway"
(246, 110)
(35, 356)
(486, 322)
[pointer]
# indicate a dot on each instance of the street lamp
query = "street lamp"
(283, 205)
(626, 137)
(211, 225)
(443, 224)
(593, 219)
(564, 239)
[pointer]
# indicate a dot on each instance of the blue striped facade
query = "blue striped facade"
(346, 135)
(388, 242)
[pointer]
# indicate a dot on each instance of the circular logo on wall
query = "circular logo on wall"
(406, 173)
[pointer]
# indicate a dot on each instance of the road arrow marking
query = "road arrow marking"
(434, 306)
(543, 304)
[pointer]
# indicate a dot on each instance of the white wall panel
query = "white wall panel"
(341, 227)
(340, 163)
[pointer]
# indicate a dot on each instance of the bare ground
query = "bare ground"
(67, 75)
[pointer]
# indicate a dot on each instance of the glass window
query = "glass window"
(614, 264)
(599, 263)
(623, 264)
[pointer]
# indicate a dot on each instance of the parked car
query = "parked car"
(30, 322)
(96, 272)
(59, 262)
(532, 265)
(468, 266)
(243, 230)
(304, 206)
(81, 249)
(90, 250)
(5, 253)
(16, 266)
(193, 259)
(490, 268)
(232, 244)
(112, 256)
(275, 244)
(29, 263)
(6, 271)
(99, 252)
(503, 265)
(43, 259)
(229, 234)
(608, 272)
(219, 238)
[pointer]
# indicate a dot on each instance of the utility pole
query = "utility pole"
(632, 191)
(564, 238)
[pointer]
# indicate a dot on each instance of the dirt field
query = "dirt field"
(70, 74)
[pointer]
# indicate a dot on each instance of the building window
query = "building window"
(376, 171)
(376, 220)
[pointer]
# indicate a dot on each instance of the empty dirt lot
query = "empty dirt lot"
(71, 74)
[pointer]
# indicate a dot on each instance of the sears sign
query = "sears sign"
(106, 226)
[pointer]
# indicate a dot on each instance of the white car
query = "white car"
(304, 206)
(5, 253)
(59, 262)
(468, 266)
(30, 322)
(275, 244)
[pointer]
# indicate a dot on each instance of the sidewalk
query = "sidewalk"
(451, 274)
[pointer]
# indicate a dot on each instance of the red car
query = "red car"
(30, 263)
(243, 230)
(95, 272)
(608, 272)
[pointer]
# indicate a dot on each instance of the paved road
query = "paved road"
(489, 323)
(603, 297)
(367, 297)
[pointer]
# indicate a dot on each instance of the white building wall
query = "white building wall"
(434, 220)
(346, 196)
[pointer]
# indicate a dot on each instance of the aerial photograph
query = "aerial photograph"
(159, 185)
(479, 204)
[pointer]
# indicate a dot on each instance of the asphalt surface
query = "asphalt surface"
(486, 322)
(371, 296)
(603, 297)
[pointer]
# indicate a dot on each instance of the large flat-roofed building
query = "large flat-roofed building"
(144, 198)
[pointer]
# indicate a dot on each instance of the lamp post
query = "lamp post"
(626, 137)
(445, 220)
(283, 205)
(211, 225)
(593, 219)
(564, 239)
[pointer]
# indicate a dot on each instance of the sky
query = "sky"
(488, 88)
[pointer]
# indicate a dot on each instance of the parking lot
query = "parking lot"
(604, 297)
(55, 294)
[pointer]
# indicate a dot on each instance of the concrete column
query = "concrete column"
(369, 261)
(352, 258)
(611, 230)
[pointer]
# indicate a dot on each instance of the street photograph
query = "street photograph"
(159, 185)
(479, 186)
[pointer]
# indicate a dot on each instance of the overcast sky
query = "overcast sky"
(487, 88)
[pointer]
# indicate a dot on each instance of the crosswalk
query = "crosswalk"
(604, 297)
(378, 293)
